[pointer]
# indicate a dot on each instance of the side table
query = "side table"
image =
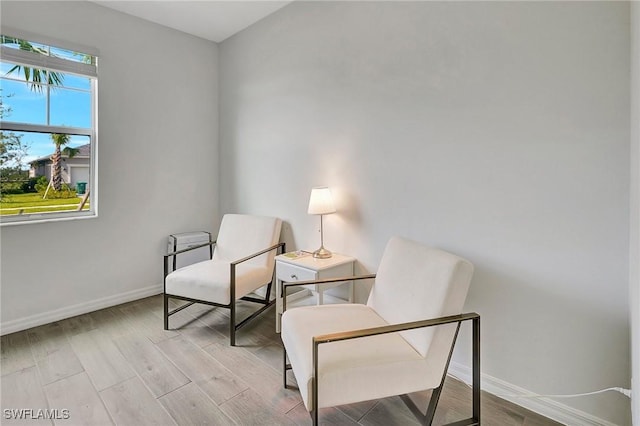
(304, 268)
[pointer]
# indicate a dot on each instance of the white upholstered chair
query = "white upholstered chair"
(242, 262)
(400, 342)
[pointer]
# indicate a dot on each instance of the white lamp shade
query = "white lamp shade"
(320, 201)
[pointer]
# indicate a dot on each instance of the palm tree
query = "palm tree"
(60, 140)
(34, 76)
(37, 78)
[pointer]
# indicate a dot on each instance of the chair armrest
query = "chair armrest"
(328, 280)
(232, 275)
(251, 256)
(173, 253)
(393, 328)
(285, 285)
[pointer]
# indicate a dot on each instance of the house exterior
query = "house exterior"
(74, 170)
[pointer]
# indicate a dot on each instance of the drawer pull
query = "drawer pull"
(294, 276)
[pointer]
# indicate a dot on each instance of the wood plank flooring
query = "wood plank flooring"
(118, 366)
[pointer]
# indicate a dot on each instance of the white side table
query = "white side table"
(307, 268)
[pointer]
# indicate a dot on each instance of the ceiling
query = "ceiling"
(213, 20)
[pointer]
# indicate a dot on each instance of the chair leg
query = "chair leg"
(476, 369)
(267, 296)
(433, 404)
(166, 312)
(232, 324)
(315, 385)
(427, 418)
(284, 366)
(232, 305)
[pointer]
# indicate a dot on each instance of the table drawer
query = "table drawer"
(290, 273)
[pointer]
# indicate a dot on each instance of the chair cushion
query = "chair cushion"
(210, 281)
(241, 235)
(415, 282)
(353, 370)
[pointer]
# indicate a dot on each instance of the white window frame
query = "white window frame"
(49, 63)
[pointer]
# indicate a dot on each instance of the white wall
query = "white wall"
(634, 252)
(497, 130)
(158, 166)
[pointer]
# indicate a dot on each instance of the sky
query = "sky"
(69, 105)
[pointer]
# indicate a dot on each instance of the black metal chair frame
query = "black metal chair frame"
(427, 418)
(233, 326)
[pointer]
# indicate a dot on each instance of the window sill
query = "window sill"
(44, 218)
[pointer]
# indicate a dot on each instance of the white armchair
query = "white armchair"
(400, 342)
(242, 262)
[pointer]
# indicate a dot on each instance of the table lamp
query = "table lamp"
(321, 203)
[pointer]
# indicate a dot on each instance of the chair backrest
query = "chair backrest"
(241, 235)
(415, 282)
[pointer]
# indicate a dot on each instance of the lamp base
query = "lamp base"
(322, 253)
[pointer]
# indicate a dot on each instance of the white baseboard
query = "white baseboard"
(78, 309)
(543, 406)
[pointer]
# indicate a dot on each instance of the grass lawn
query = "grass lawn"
(33, 203)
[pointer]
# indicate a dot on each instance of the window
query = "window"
(48, 140)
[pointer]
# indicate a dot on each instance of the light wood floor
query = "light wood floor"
(118, 366)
